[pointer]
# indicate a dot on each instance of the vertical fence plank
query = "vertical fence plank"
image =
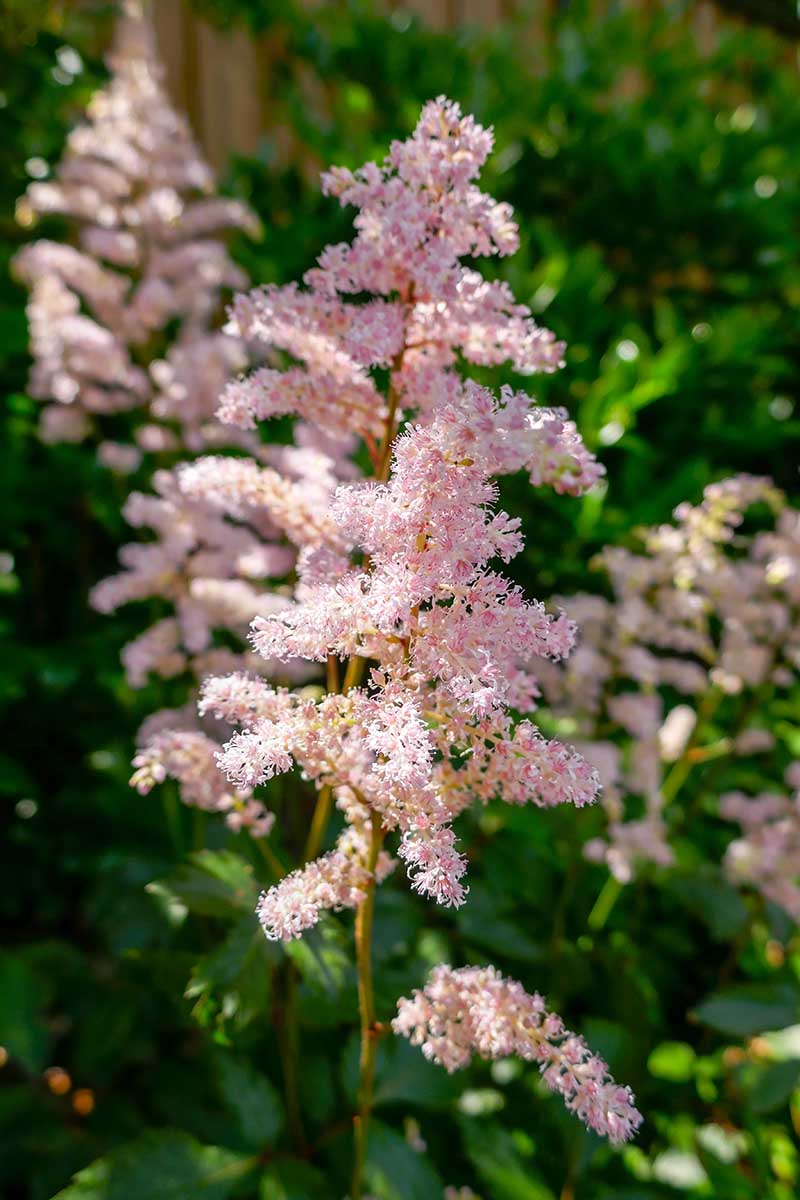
(229, 86)
(168, 20)
(214, 77)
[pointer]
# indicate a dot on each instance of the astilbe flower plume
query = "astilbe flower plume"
(702, 609)
(427, 645)
(145, 225)
(127, 320)
(475, 1010)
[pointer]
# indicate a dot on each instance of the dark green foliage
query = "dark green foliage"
(657, 192)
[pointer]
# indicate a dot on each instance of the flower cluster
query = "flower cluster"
(402, 585)
(767, 855)
(703, 616)
(141, 201)
(418, 215)
(429, 649)
(475, 1010)
(454, 641)
(334, 881)
(188, 756)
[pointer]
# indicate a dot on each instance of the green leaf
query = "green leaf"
(396, 1172)
(485, 921)
(673, 1061)
(236, 976)
(323, 958)
(22, 1031)
(294, 1181)
(252, 1099)
(495, 1156)
(161, 1166)
(774, 1085)
(743, 1011)
(214, 883)
(405, 1076)
(708, 895)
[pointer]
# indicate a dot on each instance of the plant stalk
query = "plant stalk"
(319, 823)
(366, 1004)
(287, 1029)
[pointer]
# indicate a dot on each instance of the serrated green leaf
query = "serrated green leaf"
(214, 883)
(236, 978)
(323, 957)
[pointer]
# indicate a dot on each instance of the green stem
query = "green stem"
(270, 858)
(366, 1005)
(609, 894)
(354, 673)
(288, 1039)
(681, 769)
(198, 829)
(172, 813)
(319, 823)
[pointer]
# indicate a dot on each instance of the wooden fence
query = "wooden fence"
(221, 79)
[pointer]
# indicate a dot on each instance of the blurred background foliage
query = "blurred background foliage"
(656, 185)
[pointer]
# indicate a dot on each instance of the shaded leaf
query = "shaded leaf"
(396, 1172)
(214, 883)
(168, 1165)
(252, 1099)
(746, 1010)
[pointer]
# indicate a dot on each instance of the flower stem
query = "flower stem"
(277, 869)
(609, 894)
(319, 823)
(332, 673)
(287, 1029)
(366, 1005)
(354, 673)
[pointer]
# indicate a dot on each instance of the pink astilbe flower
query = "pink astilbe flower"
(402, 570)
(701, 608)
(475, 1010)
(450, 635)
(140, 201)
(207, 567)
(215, 546)
(430, 651)
(188, 757)
(414, 224)
(330, 883)
(767, 855)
